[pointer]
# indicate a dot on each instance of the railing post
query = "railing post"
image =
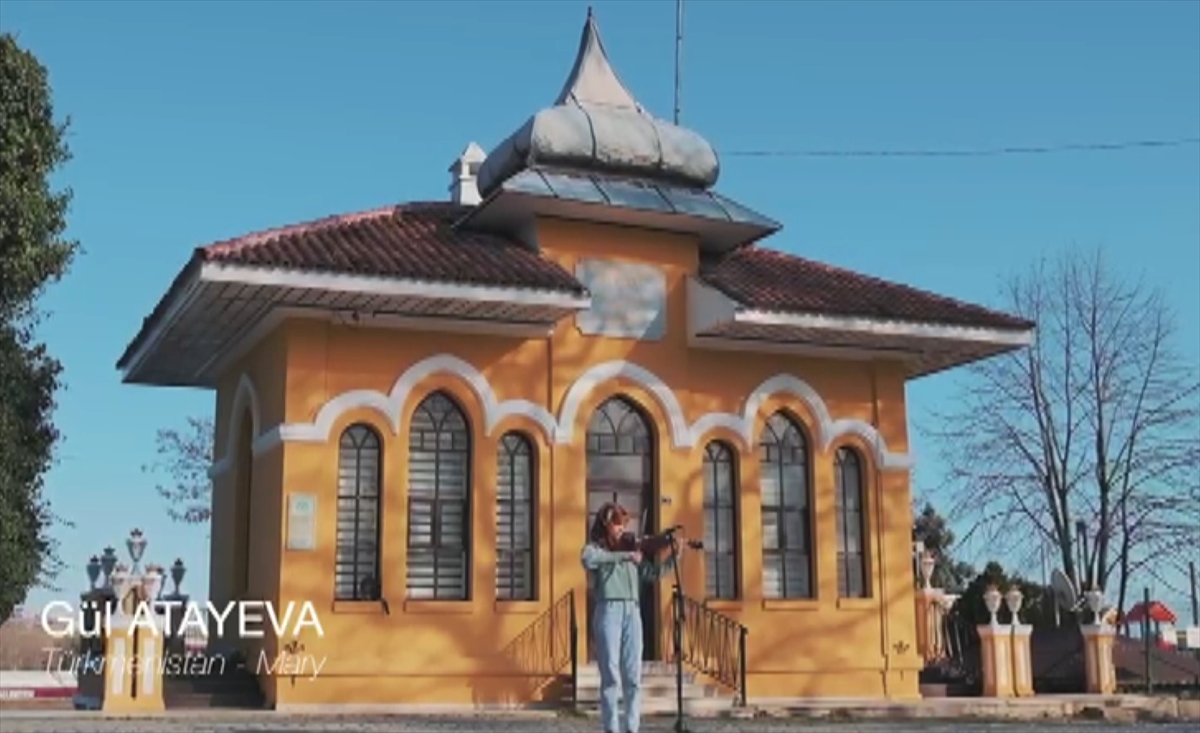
(574, 654)
(742, 663)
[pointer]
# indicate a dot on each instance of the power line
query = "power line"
(978, 153)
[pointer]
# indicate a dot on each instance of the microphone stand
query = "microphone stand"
(677, 635)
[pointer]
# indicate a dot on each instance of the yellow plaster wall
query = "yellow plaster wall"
(232, 546)
(455, 652)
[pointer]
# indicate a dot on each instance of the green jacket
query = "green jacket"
(612, 576)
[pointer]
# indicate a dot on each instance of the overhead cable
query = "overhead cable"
(976, 153)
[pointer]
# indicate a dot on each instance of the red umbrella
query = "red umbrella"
(1156, 611)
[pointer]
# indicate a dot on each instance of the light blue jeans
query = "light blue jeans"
(618, 643)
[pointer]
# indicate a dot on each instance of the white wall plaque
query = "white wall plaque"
(1192, 637)
(628, 300)
(302, 522)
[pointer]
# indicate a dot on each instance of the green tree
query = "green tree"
(930, 528)
(33, 254)
(1037, 604)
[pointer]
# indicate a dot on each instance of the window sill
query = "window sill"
(857, 604)
(366, 607)
(791, 604)
(438, 606)
(724, 604)
(515, 607)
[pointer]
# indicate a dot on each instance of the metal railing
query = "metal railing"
(712, 644)
(548, 646)
(958, 653)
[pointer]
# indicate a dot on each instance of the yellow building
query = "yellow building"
(419, 406)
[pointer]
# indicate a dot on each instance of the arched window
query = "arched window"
(439, 500)
(514, 519)
(720, 521)
(356, 572)
(850, 509)
(786, 510)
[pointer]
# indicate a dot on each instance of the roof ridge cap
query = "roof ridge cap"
(875, 279)
(255, 238)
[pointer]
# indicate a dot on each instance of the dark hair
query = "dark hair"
(608, 514)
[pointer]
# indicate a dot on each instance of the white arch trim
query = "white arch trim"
(391, 405)
(244, 396)
(607, 371)
(562, 429)
(687, 436)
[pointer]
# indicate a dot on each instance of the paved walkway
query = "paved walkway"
(15, 722)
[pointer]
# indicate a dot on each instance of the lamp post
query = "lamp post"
(93, 572)
(108, 561)
(136, 544)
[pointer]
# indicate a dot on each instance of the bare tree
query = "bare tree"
(1094, 427)
(183, 459)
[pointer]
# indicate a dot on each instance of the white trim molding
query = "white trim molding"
(387, 286)
(220, 272)
(562, 429)
(245, 396)
(391, 405)
(709, 308)
(685, 436)
(608, 371)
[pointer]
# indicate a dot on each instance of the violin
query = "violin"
(647, 545)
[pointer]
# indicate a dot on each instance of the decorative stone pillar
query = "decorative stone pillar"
(928, 608)
(133, 667)
(995, 645)
(1019, 637)
(122, 666)
(1022, 659)
(1098, 658)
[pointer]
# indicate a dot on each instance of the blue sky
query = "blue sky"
(194, 122)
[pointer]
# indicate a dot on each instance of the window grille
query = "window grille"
(439, 500)
(720, 521)
(515, 498)
(356, 571)
(786, 510)
(850, 510)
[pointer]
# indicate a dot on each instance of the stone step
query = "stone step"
(704, 707)
(658, 691)
(653, 690)
(650, 670)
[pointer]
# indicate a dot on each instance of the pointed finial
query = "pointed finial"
(592, 80)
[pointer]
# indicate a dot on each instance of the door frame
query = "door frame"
(650, 492)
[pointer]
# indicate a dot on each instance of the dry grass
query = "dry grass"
(25, 645)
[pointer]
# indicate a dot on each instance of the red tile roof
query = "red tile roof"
(419, 241)
(768, 280)
(414, 241)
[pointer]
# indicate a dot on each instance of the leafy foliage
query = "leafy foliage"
(930, 528)
(33, 254)
(1037, 606)
(958, 577)
(184, 457)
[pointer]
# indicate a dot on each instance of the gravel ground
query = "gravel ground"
(15, 723)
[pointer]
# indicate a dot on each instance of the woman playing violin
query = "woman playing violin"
(617, 564)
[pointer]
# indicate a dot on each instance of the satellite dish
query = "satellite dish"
(1064, 592)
